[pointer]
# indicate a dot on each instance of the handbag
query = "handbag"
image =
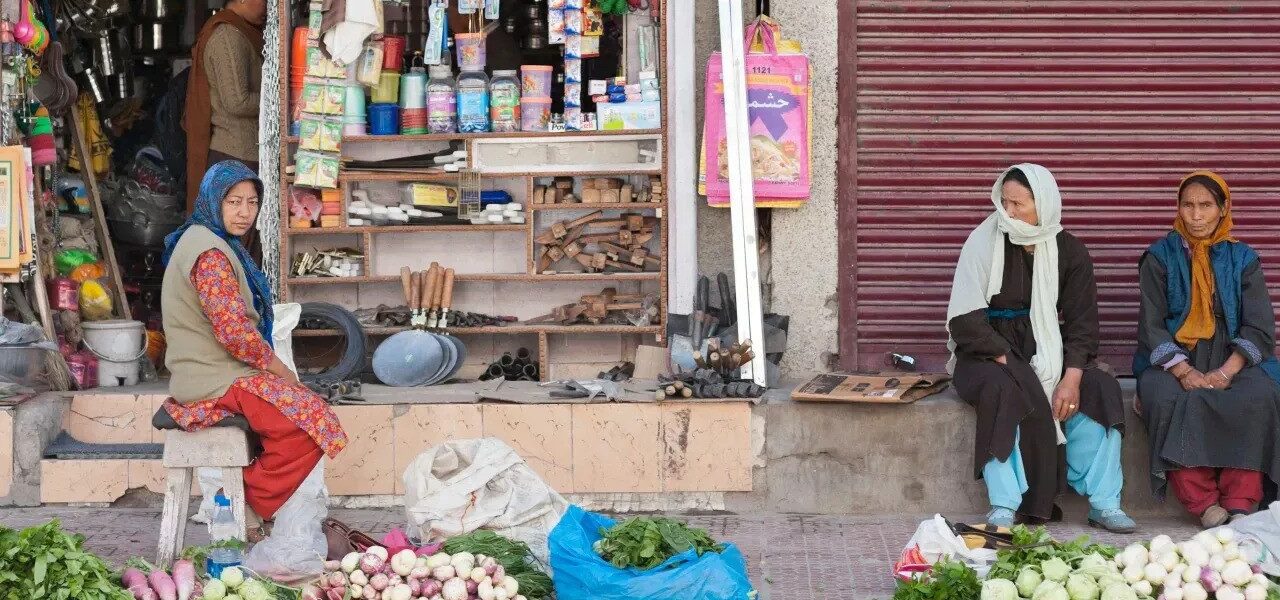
(342, 539)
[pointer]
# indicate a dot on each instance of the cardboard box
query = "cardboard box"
(875, 388)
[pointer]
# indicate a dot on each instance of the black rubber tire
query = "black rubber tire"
(353, 359)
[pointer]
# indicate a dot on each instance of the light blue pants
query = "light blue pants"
(1093, 467)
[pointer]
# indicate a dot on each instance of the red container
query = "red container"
(84, 369)
(64, 294)
(393, 53)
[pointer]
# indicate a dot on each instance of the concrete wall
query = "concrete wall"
(799, 268)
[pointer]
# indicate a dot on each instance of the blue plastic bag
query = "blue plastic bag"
(581, 574)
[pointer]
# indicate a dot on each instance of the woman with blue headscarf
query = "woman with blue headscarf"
(1205, 363)
(217, 321)
(1023, 323)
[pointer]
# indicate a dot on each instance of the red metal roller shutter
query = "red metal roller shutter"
(1118, 99)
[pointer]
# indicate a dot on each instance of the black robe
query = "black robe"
(1238, 427)
(1009, 397)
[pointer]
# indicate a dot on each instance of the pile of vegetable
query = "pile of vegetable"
(1211, 565)
(646, 542)
(46, 563)
(234, 584)
(514, 556)
(146, 582)
(946, 581)
(373, 575)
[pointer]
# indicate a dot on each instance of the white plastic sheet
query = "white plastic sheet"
(296, 549)
(464, 485)
(934, 540)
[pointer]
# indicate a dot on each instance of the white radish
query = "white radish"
(1143, 588)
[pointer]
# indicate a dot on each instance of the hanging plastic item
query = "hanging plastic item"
(66, 261)
(95, 301)
(87, 271)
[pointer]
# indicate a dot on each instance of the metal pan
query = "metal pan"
(460, 348)
(409, 358)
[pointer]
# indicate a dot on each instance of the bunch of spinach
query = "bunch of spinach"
(948, 580)
(647, 542)
(45, 563)
(1034, 546)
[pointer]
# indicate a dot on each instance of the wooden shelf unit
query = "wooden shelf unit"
(535, 215)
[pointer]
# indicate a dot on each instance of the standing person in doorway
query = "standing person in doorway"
(1205, 363)
(221, 113)
(1023, 322)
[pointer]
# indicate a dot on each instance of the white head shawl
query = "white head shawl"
(980, 272)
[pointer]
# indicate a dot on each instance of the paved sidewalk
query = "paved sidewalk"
(790, 557)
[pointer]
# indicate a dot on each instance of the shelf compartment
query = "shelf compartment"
(566, 277)
(508, 330)
(403, 229)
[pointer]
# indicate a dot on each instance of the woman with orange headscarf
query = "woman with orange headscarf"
(1206, 368)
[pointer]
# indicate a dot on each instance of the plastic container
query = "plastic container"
(473, 102)
(504, 101)
(222, 528)
(354, 105)
(471, 51)
(535, 114)
(413, 89)
(388, 89)
(413, 121)
(118, 344)
(393, 53)
(384, 119)
(22, 365)
(535, 81)
(442, 101)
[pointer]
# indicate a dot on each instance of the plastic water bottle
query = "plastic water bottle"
(222, 528)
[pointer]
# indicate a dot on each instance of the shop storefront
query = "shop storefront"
(1119, 100)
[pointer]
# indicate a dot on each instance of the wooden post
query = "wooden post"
(108, 252)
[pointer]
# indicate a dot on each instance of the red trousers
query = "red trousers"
(1201, 487)
(288, 453)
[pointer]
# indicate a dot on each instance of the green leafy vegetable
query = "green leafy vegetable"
(45, 563)
(514, 556)
(1033, 547)
(647, 542)
(947, 580)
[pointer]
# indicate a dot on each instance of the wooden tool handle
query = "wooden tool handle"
(447, 301)
(429, 287)
(406, 284)
(415, 297)
(439, 291)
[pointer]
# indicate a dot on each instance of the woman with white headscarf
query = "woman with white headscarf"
(1023, 325)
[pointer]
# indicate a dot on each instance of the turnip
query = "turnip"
(1136, 554)
(421, 572)
(471, 587)
(335, 594)
(511, 585)
(403, 562)
(463, 562)
(1255, 592)
(371, 564)
(1028, 580)
(1054, 569)
(1118, 591)
(1172, 582)
(1161, 544)
(1194, 591)
(1154, 573)
(1225, 534)
(1168, 560)
(332, 565)
(337, 580)
(401, 592)
(1210, 579)
(1143, 588)
(501, 594)
(1217, 562)
(520, 598)
(415, 587)
(1231, 551)
(311, 592)
(359, 578)
(1191, 574)
(378, 582)
(437, 560)
(1172, 594)
(1079, 587)
(350, 562)
(431, 587)
(1228, 592)
(356, 591)
(485, 590)
(454, 589)
(370, 593)
(1261, 579)
(1134, 573)
(1237, 573)
(444, 573)
(378, 551)
(498, 574)
(394, 580)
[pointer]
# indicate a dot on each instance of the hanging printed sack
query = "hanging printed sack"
(779, 98)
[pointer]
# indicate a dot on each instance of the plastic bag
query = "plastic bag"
(464, 485)
(67, 260)
(287, 316)
(581, 574)
(87, 271)
(95, 302)
(934, 539)
(296, 549)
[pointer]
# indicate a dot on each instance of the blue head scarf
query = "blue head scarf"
(218, 181)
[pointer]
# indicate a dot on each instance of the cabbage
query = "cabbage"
(1055, 569)
(999, 589)
(254, 590)
(1091, 561)
(1111, 579)
(1050, 590)
(1082, 587)
(1028, 579)
(1119, 591)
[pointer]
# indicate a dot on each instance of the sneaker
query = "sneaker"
(1113, 520)
(1214, 516)
(1000, 517)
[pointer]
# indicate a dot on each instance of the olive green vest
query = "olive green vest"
(200, 367)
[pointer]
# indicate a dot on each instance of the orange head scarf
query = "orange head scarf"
(1200, 321)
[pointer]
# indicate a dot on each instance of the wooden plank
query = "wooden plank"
(173, 517)
(107, 251)
(233, 489)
